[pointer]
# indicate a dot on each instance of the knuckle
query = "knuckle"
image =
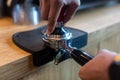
(51, 21)
(58, 2)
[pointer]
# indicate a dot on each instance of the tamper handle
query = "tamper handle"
(81, 57)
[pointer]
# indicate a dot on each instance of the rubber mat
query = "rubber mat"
(32, 42)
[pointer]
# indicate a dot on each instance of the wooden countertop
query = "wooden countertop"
(100, 23)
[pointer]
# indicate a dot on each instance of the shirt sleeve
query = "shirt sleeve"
(114, 70)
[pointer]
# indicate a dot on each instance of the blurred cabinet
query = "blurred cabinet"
(112, 43)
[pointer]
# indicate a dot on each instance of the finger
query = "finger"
(45, 7)
(55, 8)
(107, 56)
(70, 11)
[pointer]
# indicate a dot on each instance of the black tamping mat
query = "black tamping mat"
(32, 42)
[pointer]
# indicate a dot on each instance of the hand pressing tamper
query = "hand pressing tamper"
(63, 43)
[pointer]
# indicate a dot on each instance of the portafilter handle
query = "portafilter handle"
(80, 56)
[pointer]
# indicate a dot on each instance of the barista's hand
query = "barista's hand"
(98, 67)
(50, 10)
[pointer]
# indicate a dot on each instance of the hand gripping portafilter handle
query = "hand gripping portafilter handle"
(81, 57)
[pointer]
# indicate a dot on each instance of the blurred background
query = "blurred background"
(22, 11)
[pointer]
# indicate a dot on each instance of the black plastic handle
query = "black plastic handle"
(81, 57)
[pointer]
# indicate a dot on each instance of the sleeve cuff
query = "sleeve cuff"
(114, 70)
